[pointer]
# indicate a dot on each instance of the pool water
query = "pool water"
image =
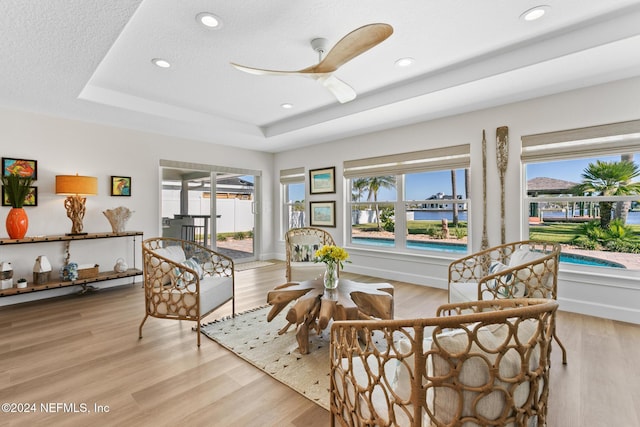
(462, 249)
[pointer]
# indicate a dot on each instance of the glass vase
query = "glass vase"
(331, 276)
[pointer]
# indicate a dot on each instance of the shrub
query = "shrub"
(585, 242)
(221, 237)
(239, 235)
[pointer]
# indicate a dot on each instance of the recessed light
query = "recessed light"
(404, 62)
(534, 13)
(209, 20)
(287, 106)
(162, 63)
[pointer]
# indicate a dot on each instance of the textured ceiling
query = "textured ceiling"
(91, 60)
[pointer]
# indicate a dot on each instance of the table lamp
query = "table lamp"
(75, 186)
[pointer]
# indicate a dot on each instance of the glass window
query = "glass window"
(591, 205)
(294, 214)
(436, 209)
(425, 219)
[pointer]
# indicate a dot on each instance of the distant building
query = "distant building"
(441, 204)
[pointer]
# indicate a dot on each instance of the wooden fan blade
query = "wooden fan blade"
(353, 44)
(262, 72)
(342, 91)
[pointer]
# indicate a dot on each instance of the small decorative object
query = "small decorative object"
(323, 180)
(121, 266)
(69, 272)
(16, 188)
(332, 256)
(120, 185)
(22, 283)
(6, 270)
(118, 218)
(74, 187)
(485, 238)
(41, 270)
(88, 271)
(502, 158)
(6, 275)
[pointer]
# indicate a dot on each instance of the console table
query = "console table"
(85, 283)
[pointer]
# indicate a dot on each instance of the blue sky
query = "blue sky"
(422, 186)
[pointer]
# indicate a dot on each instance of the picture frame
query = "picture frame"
(323, 214)
(322, 181)
(121, 186)
(22, 167)
(30, 200)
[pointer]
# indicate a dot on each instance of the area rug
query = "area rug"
(255, 340)
(242, 266)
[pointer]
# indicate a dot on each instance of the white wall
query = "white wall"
(67, 147)
(608, 103)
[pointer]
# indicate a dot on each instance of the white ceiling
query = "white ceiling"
(91, 60)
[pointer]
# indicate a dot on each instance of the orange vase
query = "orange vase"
(17, 223)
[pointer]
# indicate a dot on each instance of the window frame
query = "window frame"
(399, 165)
(573, 144)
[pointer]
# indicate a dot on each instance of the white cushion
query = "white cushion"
(301, 271)
(475, 372)
(214, 291)
(463, 292)
(174, 253)
(523, 255)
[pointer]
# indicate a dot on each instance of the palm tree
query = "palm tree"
(609, 179)
(358, 186)
(374, 184)
(622, 208)
(454, 197)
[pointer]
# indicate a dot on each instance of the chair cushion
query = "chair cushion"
(474, 372)
(214, 291)
(304, 252)
(301, 271)
(174, 253)
(463, 292)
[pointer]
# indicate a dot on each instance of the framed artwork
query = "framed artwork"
(31, 198)
(21, 167)
(120, 185)
(322, 180)
(323, 214)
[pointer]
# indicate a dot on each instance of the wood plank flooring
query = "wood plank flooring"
(84, 350)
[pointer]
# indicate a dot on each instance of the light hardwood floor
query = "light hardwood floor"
(85, 350)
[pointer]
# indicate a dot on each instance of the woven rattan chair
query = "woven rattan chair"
(184, 280)
(301, 245)
(514, 270)
(478, 363)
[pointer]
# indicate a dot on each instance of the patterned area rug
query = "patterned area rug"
(242, 266)
(255, 340)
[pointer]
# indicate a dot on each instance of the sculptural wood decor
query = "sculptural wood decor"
(502, 158)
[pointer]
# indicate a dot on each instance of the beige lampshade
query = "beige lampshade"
(76, 185)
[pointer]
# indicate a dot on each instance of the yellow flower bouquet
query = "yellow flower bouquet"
(332, 256)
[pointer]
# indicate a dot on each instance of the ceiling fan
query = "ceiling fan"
(353, 44)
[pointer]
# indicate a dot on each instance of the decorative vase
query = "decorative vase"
(331, 275)
(17, 223)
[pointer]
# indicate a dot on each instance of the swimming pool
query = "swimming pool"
(462, 249)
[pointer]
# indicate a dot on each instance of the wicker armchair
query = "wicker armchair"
(184, 280)
(477, 363)
(301, 245)
(513, 270)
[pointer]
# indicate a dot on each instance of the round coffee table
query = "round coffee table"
(315, 306)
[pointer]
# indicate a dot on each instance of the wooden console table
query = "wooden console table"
(316, 306)
(85, 283)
